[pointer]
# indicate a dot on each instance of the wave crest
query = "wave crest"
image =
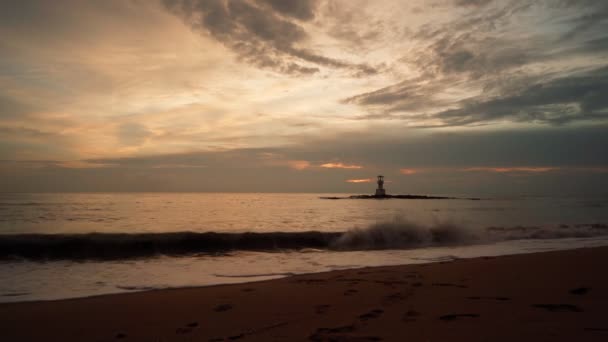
(400, 234)
(396, 234)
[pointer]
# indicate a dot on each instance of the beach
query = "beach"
(303, 170)
(546, 296)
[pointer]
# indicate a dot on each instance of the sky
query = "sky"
(480, 97)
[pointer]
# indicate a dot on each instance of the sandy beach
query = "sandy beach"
(550, 296)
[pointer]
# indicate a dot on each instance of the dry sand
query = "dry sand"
(552, 296)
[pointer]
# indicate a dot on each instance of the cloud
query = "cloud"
(340, 166)
(363, 180)
(42, 164)
(11, 108)
(299, 9)
(558, 101)
(133, 134)
(174, 93)
(179, 166)
(475, 3)
(408, 171)
(262, 33)
(476, 69)
(527, 169)
(576, 156)
(591, 15)
(413, 96)
(298, 164)
(80, 164)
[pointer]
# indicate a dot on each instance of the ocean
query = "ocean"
(55, 246)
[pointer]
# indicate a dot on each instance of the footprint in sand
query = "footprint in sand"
(580, 291)
(310, 281)
(410, 316)
(350, 292)
(222, 307)
(558, 307)
(453, 317)
(371, 315)
(181, 331)
(391, 283)
(333, 334)
(187, 328)
(449, 285)
(321, 309)
(394, 297)
(229, 338)
(490, 298)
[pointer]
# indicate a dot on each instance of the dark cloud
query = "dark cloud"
(345, 25)
(599, 45)
(577, 97)
(409, 96)
(475, 43)
(472, 2)
(478, 51)
(593, 17)
(299, 9)
(477, 57)
(262, 33)
(566, 99)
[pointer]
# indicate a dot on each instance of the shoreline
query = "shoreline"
(263, 277)
(385, 302)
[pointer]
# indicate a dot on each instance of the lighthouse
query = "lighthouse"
(380, 192)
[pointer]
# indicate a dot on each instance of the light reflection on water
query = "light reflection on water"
(165, 212)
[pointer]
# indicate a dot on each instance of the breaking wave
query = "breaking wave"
(397, 234)
(119, 246)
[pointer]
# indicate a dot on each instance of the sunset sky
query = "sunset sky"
(441, 96)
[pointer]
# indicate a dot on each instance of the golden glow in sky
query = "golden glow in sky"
(324, 88)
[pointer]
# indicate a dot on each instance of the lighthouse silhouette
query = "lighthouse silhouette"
(380, 192)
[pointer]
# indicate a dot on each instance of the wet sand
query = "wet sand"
(551, 296)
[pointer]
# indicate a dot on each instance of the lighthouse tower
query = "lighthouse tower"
(380, 192)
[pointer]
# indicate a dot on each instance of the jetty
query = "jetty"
(381, 194)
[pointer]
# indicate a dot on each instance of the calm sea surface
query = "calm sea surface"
(48, 252)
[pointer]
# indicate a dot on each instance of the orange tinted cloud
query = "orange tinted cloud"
(78, 164)
(408, 171)
(365, 180)
(511, 169)
(340, 166)
(298, 164)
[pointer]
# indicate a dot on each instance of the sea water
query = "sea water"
(55, 246)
